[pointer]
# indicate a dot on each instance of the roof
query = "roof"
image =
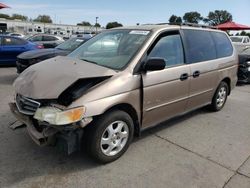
(155, 27)
(148, 27)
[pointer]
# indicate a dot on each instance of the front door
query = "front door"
(165, 92)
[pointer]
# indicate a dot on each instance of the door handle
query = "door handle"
(184, 76)
(196, 74)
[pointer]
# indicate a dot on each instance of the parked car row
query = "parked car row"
(29, 58)
(12, 46)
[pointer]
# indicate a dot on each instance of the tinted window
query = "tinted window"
(49, 38)
(13, 41)
(199, 46)
(35, 38)
(223, 45)
(170, 49)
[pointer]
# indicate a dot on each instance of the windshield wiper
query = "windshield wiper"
(89, 61)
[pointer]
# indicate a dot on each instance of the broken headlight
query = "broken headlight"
(56, 116)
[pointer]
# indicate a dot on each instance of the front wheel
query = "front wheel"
(220, 97)
(110, 135)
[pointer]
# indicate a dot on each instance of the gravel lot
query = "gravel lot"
(200, 149)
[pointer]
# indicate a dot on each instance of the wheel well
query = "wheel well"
(228, 81)
(131, 111)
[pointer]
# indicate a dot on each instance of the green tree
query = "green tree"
(84, 23)
(6, 16)
(218, 17)
(192, 17)
(43, 19)
(97, 25)
(175, 19)
(19, 17)
(113, 25)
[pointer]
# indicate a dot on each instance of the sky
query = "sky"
(127, 12)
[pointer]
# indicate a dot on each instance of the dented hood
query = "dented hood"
(47, 80)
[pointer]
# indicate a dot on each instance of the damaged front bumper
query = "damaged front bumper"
(68, 138)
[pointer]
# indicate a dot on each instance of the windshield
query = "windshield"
(112, 49)
(236, 39)
(71, 44)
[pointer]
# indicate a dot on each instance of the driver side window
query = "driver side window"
(170, 49)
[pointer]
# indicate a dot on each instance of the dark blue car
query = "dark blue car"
(11, 47)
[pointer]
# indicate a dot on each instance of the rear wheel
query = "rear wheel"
(220, 97)
(110, 135)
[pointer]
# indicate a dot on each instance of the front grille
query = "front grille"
(25, 105)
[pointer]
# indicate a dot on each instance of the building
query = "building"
(29, 28)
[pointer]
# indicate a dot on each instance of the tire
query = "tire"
(108, 137)
(220, 97)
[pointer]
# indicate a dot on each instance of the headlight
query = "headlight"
(248, 62)
(56, 116)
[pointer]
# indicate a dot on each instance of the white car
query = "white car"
(17, 35)
(240, 39)
(240, 42)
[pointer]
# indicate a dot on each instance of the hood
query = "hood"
(49, 79)
(41, 52)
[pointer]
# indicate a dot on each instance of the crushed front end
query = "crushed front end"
(49, 124)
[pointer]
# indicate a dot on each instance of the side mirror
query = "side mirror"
(154, 64)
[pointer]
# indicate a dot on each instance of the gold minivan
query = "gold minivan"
(121, 82)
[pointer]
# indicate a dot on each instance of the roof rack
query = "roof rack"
(186, 24)
(193, 25)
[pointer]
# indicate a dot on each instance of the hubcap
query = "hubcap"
(114, 138)
(221, 97)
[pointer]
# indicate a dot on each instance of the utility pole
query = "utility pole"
(96, 18)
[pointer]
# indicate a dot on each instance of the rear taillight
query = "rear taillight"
(40, 46)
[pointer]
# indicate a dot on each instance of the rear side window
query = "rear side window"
(13, 41)
(199, 46)
(49, 38)
(223, 45)
(35, 38)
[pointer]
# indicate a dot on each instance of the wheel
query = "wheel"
(220, 97)
(109, 136)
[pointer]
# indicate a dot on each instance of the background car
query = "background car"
(240, 42)
(240, 39)
(244, 66)
(48, 41)
(27, 59)
(17, 35)
(11, 47)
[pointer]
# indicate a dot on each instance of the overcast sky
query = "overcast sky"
(128, 12)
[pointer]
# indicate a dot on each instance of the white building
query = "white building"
(27, 27)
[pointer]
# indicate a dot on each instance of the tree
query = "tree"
(113, 25)
(84, 23)
(218, 17)
(192, 17)
(43, 19)
(19, 17)
(175, 19)
(97, 25)
(6, 16)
